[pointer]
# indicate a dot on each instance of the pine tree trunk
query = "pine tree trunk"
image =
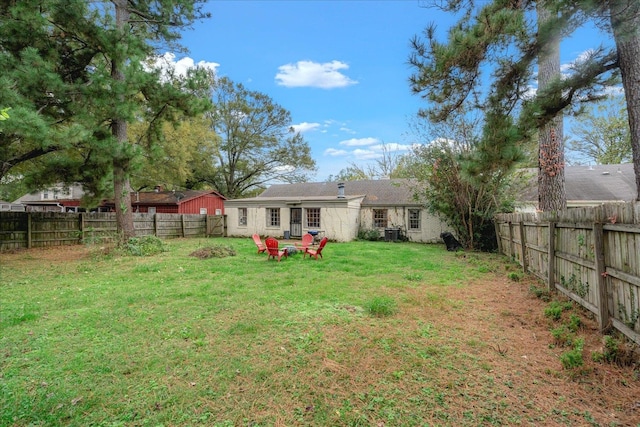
(551, 189)
(625, 21)
(121, 185)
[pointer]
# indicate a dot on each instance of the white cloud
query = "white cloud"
(169, 66)
(305, 127)
(313, 74)
(366, 154)
(333, 152)
(359, 142)
(347, 130)
(393, 146)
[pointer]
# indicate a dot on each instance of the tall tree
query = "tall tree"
(258, 144)
(625, 23)
(42, 71)
(385, 166)
(601, 134)
(551, 191)
(501, 36)
(85, 81)
(187, 150)
(440, 170)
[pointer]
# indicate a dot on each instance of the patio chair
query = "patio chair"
(259, 244)
(273, 251)
(307, 240)
(315, 252)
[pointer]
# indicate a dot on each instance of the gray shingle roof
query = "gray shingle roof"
(593, 183)
(393, 192)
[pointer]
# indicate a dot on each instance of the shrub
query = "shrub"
(371, 234)
(382, 306)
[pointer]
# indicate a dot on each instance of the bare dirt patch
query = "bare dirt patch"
(519, 347)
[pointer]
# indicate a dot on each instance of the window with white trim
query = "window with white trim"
(273, 217)
(414, 219)
(380, 218)
(313, 217)
(242, 216)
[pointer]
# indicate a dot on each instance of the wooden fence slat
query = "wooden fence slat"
(551, 263)
(592, 257)
(523, 248)
(602, 293)
(41, 229)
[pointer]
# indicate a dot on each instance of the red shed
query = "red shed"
(208, 202)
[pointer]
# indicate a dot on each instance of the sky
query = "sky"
(339, 67)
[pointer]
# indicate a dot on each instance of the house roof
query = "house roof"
(169, 197)
(598, 183)
(382, 192)
(58, 193)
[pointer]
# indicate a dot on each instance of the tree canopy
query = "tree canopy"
(257, 143)
(504, 37)
(74, 74)
(601, 134)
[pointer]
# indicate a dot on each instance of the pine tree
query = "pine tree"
(76, 75)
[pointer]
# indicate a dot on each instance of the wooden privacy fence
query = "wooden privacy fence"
(592, 255)
(41, 229)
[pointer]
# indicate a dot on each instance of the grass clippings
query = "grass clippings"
(215, 251)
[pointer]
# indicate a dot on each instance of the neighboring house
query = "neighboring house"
(63, 198)
(11, 207)
(207, 202)
(57, 198)
(587, 186)
(337, 211)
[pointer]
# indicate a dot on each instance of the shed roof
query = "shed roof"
(598, 183)
(382, 192)
(169, 197)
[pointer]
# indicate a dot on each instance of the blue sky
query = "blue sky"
(339, 67)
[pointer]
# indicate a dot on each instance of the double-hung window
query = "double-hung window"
(242, 216)
(414, 219)
(273, 217)
(380, 218)
(313, 217)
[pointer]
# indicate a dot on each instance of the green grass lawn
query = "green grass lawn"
(351, 339)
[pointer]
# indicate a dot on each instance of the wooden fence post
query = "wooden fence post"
(511, 243)
(155, 224)
(182, 224)
(602, 295)
(523, 243)
(551, 262)
(29, 235)
(496, 225)
(81, 224)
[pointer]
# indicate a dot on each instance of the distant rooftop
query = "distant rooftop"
(597, 183)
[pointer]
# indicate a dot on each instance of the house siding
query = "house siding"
(209, 202)
(398, 217)
(339, 219)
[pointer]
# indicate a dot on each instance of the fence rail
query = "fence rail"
(592, 255)
(41, 229)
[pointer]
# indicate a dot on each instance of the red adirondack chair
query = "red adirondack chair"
(273, 251)
(315, 252)
(307, 240)
(259, 244)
